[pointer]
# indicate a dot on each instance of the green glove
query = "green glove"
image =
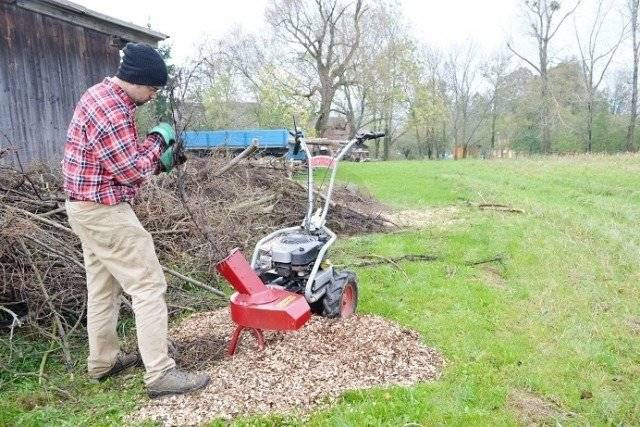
(172, 156)
(166, 131)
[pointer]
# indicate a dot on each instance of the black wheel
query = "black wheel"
(317, 307)
(341, 298)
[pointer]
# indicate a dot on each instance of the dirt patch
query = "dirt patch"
(492, 276)
(634, 325)
(532, 409)
(297, 371)
(422, 218)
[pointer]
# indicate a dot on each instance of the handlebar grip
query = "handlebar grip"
(296, 136)
(361, 137)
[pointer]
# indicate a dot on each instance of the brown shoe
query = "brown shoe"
(123, 361)
(175, 381)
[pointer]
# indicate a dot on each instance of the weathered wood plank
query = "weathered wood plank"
(46, 64)
(81, 16)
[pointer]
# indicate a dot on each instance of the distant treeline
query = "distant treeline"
(339, 66)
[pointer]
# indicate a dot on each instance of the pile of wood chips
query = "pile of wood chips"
(297, 372)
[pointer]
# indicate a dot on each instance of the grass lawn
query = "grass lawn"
(549, 334)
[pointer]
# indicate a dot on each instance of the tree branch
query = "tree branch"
(523, 58)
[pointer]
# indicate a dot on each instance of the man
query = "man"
(104, 165)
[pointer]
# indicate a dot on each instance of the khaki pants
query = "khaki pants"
(119, 256)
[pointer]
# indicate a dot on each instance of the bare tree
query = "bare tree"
(375, 91)
(619, 94)
(540, 15)
(495, 71)
(354, 102)
(428, 104)
(590, 56)
(356, 99)
(461, 71)
(327, 42)
(631, 131)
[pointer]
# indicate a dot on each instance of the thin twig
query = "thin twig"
(389, 261)
(53, 212)
(394, 260)
(43, 361)
(245, 153)
(82, 312)
(55, 252)
(58, 317)
(176, 231)
(14, 322)
(498, 207)
(194, 282)
(41, 219)
(16, 319)
(497, 258)
(35, 189)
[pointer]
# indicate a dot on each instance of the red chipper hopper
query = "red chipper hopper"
(257, 307)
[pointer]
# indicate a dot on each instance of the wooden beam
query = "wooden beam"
(78, 15)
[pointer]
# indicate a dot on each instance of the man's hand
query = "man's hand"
(166, 131)
(172, 156)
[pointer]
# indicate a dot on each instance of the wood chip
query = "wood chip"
(296, 373)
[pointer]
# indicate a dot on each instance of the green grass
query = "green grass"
(64, 399)
(561, 323)
(558, 327)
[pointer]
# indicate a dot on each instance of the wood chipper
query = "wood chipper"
(289, 275)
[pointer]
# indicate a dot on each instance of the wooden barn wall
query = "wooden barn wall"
(45, 66)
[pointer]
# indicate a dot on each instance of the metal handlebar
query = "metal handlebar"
(364, 136)
(296, 136)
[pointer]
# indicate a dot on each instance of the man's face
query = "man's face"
(142, 94)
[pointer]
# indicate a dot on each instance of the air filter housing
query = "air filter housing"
(295, 249)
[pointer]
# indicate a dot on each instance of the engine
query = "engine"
(294, 253)
(289, 262)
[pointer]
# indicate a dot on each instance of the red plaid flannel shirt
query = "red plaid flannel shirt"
(103, 160)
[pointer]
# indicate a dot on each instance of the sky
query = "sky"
(188, 22)
(437, 23)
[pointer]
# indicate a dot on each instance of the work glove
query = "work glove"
(166, 131)
(172, 156)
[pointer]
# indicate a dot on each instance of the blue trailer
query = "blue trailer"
(275, 142)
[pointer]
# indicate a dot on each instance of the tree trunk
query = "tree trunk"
(376, 142)
(351, 116)
(590, 124)
(418, 142)
(494, 118)
(444, 138)
(465, 143)
(387, 141)
(325, 109)
(386, 145)
(545, 120)
(631, 131)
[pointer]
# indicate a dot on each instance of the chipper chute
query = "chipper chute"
(255, 306)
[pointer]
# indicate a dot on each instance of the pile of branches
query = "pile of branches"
(195, 214)
(204, 214)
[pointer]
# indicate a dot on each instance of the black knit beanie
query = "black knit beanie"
(142, 65)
